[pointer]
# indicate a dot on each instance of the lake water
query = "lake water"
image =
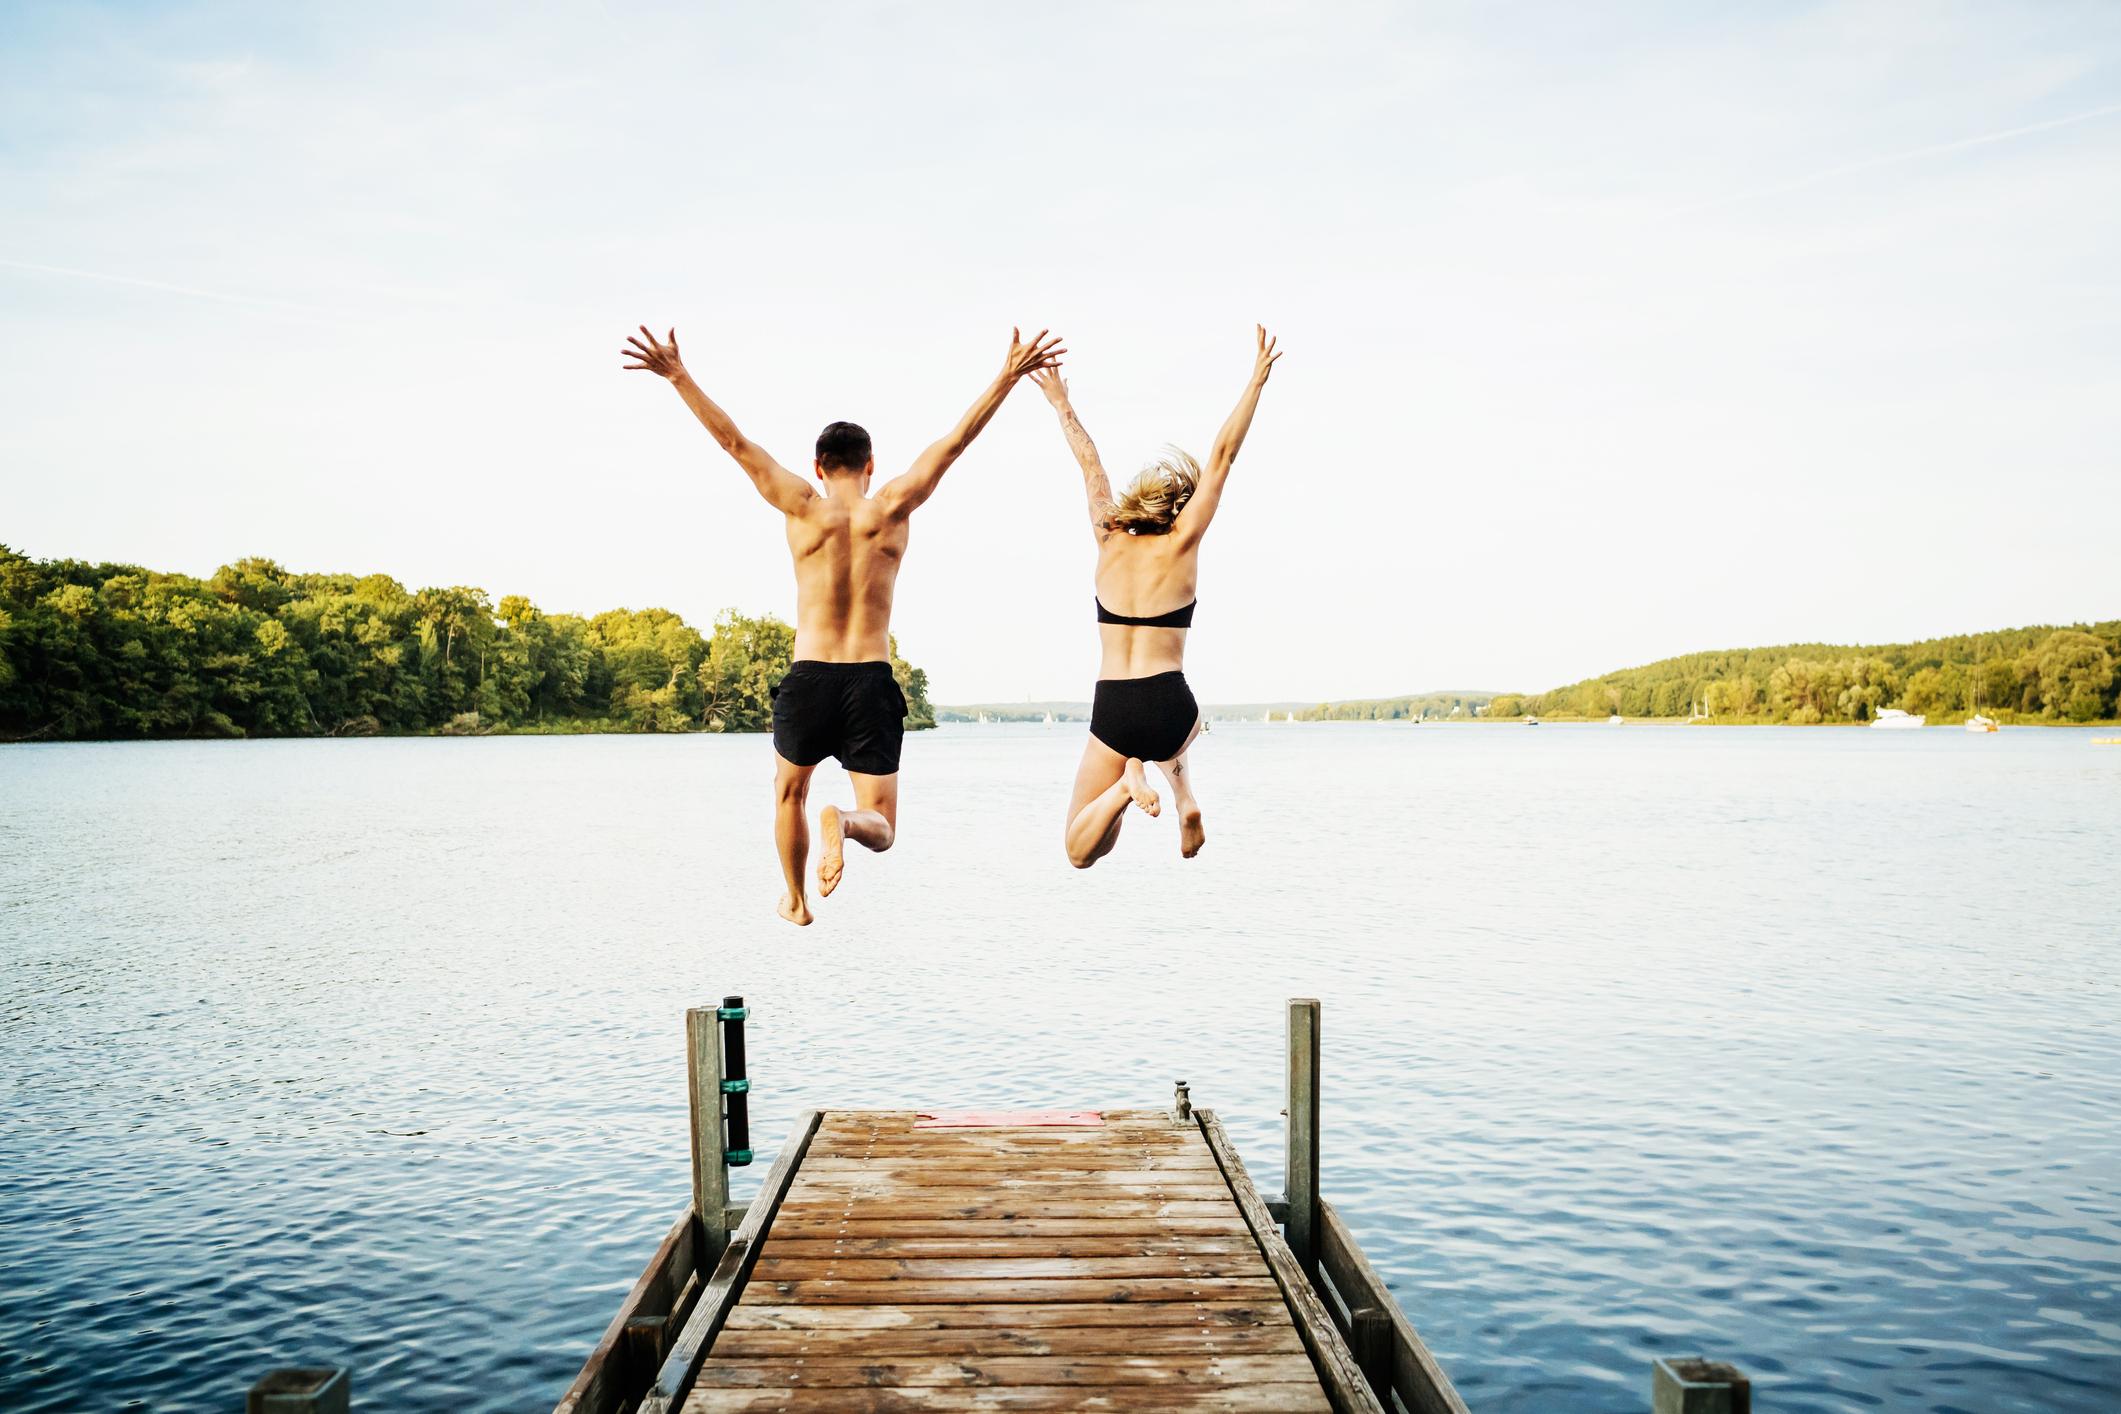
(1796, 1047)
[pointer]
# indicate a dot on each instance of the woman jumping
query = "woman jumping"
(1148, 565)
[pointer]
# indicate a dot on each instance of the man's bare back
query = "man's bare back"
(839, 697)
(847, 554)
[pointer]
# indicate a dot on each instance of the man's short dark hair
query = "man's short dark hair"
(843, 446)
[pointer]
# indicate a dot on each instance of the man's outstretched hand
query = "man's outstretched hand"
(1040, 352)
(650, 355)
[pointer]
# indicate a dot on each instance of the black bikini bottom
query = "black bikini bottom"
(1146, 718)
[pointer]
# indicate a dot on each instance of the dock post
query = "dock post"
(1370, 1338)
(1698, 1386)
(327, 1390)
(1301, 1194)
(710, 1178)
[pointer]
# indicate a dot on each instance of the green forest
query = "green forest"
(2040, 674)
(104, 650)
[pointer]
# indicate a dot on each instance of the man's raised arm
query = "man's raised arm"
(918, 482)
(782, 488)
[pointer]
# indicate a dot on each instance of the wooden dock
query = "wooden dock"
(1104, 1264)
(917, 1261)
(901, 1260)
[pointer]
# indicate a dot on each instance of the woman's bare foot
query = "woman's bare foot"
(1190, 834)
(832, 860)
(1137, 783)
(795, 910)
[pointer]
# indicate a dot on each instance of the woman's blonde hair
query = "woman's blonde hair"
(1153, 502)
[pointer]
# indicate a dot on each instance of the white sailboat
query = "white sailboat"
(1893, 719)
(1978, 722)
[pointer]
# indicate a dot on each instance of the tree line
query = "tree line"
(2038, 674)
(108, 650)
(1414, 707)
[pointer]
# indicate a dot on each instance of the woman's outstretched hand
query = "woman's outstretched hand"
(1039, 352)
(654, 356)
(1264, 360)
(1052, 385)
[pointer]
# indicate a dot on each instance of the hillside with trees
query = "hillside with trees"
(1414, 706)
(2039, 674)
(106, 650)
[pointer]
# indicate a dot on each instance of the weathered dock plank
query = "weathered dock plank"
(889, 1342)
(1233, 1399)
(1196, 1314)
(910, 1267)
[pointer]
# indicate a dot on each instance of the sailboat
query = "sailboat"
(1977, 722)
(1049, 717)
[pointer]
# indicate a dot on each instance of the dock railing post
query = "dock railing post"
(1301, 1195)
(710, 1175)
(1698, 1386)
(323, 1390)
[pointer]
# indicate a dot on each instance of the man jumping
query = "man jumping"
(839, 698)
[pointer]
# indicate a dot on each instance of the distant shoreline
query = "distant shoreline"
(443, 734)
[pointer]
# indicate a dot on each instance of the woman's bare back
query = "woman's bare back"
(1139, 577)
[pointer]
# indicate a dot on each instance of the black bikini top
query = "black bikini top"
(1177, 618)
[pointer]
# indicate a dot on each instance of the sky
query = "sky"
(1612, 332)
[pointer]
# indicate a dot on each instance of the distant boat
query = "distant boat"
(1049, 719)
(983, 719)
(1893, 719)
(1979, 722)
(1530, 720)
(1616, 720)
(1288, 716)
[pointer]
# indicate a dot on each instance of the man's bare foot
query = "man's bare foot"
(832, 860)
(1190, 834)
(795, 910)
(1138, 786)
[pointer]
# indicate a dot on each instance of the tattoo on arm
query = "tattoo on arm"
(1085, 450)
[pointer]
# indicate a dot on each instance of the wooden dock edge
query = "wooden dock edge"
(633, 1343)
(1335, 1363)
(1402, 1361)
(682, 1365)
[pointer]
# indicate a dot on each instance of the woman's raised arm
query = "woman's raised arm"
(1095, 486)
(1194, 517)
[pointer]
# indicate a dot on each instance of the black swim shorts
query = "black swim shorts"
(1146, 718)
(852, 711)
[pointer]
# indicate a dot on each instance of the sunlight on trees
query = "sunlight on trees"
(115, 651)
